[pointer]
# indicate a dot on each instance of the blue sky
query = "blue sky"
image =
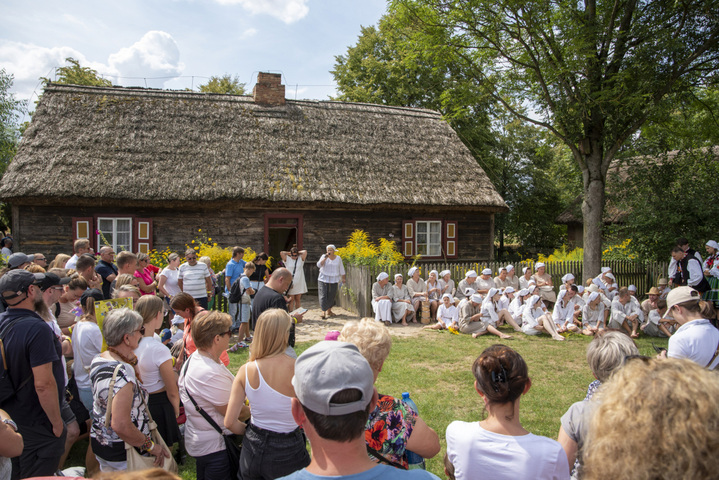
(165, 43)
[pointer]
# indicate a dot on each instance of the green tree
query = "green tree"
(75, 74)
(224, 84)
(667, 197)
(387, 66)
(10, 111)
(593, 72)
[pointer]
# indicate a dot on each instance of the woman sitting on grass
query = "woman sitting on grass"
(447, 315)
(516, 306)
(536, 319)
(593, 314)
(491, 316)
(498, 446)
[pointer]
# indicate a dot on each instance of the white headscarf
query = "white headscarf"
(508, 290)
(443, 273)
(411, 271)
(398, 275)
(509, 268)
(447, 295)
(332, 247)
(567, 277)
(593, 296)
(382, 276)
(523, 292)
(476, 298)
(435, 274)
(487, 271)
(539, 265)
(470, 273)
(532, 302)
(468, 292)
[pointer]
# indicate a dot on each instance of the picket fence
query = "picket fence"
(356, 295)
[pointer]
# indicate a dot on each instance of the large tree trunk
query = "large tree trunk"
(593, 213)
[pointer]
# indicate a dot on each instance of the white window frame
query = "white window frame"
(427, 245)
(114, 220)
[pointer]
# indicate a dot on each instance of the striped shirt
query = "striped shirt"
(193, 279)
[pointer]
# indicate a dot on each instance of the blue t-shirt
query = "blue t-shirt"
(29, 343)
(233, 270)
(380, 472)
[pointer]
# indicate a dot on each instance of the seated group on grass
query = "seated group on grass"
(481, 303)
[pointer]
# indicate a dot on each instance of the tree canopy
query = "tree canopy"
(592, 72)
(75, 74)
(224, 84)
(10, 111)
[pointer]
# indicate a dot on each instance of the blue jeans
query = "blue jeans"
(268, 455)
(213, 466)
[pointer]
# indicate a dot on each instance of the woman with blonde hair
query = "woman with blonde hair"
(154, 362)
(67, 313)
(126, 279)
(205, 383)
(59, 261)
(393, 427)
(666, 407)
(167, 281)
(274, 445)
(498, 446)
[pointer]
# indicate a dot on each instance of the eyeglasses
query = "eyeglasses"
(141, 330)
(228, 333)
(59, 287)
(41, 259)
(191, 258)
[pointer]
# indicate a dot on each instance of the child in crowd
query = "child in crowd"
(447, 315)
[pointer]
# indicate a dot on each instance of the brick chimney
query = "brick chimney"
(269, 89)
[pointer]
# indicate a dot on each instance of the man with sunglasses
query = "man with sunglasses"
(32, 398)
(696, 338)
(194, 278)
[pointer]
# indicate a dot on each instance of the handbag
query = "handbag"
(135, 460)
(231, 444)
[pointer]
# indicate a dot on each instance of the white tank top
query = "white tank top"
(270, 409)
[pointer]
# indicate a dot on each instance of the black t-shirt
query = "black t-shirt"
(29, 343)
(267, 298)
(105, 270)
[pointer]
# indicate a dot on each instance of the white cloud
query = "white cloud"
(288, 11)
(250, 32)
(155, 55)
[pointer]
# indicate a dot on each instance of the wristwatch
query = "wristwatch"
(10, 423)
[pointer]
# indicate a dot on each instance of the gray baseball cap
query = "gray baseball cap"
(15, 282)
(330, 367)
(17, 259)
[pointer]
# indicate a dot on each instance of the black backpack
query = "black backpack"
(236, 291)
(7, 386)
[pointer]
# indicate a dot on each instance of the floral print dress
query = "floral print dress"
(388, 429)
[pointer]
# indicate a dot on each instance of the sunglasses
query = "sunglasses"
(228, 333)
(141, 330)
(191, 258)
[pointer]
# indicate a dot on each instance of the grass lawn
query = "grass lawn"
(436, 369)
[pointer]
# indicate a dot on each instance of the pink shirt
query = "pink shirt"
(146, 276)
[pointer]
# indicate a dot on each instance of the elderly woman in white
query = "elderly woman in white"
(544, 284)
(447, 284)
(566, 311)
(434, 289)
(470, 281)
(332, 273)
(402, 308)
(567, 280)
(382, 299)
(512, 277)
(417, 290)
(525, 278)
(516, 306)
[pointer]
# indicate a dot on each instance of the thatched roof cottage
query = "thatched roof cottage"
(150, 167)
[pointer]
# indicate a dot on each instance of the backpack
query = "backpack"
(7, 386)
(236, 291)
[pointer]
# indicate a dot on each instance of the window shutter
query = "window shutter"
(408, 238)
(83, 227)
(450, 238)
(143, 235)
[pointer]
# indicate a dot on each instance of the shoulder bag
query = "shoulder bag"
(135, 460)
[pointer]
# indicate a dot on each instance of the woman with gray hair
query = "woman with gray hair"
(606, 353)
(168, 278)
(332, 273)
(128, 419)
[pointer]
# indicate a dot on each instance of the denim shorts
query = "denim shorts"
(270, 455)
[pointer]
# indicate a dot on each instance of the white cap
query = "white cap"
(632, 288)
(567, 277)
(447, 295)
(492, 292)
(609, 275)
(397, 275)
(487, 271)
(382, 276)
(713, 244)
(509, 268)
(593, 296)
(444, 272)
(411, 271)
(470, 273)
(508, 290)
(523, 292)
(580, 289)
(524, 269)
(539, 265)
(476, 298)
(606, 269)
(468, 292)
(681, 295)
(433, 271)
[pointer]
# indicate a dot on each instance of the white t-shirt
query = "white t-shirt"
(150, 355)
(210, 384)
(72, 262)
(171, 283)
(86, 344)
(696, 340)
(479, 453)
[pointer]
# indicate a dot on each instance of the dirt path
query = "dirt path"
(314, 327)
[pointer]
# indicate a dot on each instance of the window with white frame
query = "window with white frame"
(429, 238)
(116, 231)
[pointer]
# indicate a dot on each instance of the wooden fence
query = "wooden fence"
(356, 295)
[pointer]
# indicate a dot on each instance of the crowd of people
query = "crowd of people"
(145, 394)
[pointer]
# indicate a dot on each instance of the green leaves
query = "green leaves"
(226, 84)
(75, 74)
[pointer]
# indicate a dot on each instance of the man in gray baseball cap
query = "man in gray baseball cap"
(696, 338)
(19, 260)
(335, 392)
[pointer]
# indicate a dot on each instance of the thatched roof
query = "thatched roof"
(155, 145)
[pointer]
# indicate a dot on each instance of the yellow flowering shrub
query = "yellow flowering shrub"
(360, 250)
(620, 251)
(561, 254)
